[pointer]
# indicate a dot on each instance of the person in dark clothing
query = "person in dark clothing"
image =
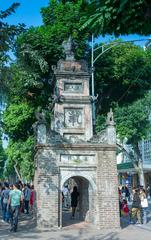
(74, 200)
(136, 207)
(5, 197)
(125, 192)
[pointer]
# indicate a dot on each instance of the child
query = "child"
(125, 210)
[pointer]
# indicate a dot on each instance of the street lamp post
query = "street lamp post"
(92, 83)
(93, 60)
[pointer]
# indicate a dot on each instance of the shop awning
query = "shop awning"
(126, 167)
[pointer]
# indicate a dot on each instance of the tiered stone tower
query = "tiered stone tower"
(69, 150)
(73, 112)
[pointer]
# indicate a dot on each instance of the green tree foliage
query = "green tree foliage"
(18, 120)
(20, 159)
(8, 34)
(119, 17)
(122, 75)
(133, 125)
(133, 120)
(39, 48)
(124, 80)
(31, 80)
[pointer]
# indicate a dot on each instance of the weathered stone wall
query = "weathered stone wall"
(47, 182)
(107, 190)
(94, 170)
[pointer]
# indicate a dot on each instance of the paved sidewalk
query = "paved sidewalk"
(80, 231)
(75, 231)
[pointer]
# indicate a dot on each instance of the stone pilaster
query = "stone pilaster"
(47, 191)
(107, 190)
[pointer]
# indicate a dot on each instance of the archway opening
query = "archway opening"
(85, 208)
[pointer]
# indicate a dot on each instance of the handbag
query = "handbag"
(144, 203)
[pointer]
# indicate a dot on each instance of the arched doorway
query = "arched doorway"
(86, 208)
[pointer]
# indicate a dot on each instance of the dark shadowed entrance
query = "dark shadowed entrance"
(85, 203)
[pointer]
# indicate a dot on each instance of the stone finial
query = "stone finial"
(110, 130)
(40, 116)
(110, 118)
(68, 46)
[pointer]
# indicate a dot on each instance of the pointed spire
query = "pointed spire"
(68, 46)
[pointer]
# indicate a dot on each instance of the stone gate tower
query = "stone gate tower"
(68, 150)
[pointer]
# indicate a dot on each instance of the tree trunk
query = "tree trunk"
(17, 172)
(140, 166)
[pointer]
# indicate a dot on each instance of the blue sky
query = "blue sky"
(29, 14)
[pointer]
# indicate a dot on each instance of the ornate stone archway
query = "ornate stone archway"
(87, 199)
(83, 174)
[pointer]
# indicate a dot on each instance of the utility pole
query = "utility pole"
(92, 87)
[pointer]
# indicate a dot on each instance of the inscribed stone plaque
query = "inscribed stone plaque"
(73, 117)
(73, 87)
(77, 159)
(74, 138)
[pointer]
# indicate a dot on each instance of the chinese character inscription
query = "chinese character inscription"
(73, 87)
(73, 117)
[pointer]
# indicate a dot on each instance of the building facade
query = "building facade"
(127, 170)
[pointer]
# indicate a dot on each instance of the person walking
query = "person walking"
(15, 198)
(136, 207)
(144, 205)
(66, 195)
(5, 197)
(27, 194)
(32, 199)
(74, 200)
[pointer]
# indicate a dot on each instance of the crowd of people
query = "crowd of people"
(20, 198)
(16, 199)
(136, 212)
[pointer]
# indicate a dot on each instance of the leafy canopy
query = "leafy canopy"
(20, 154)
(122, 75)
(133, 121)
(8, 35)
(18, 120)
(119, 17)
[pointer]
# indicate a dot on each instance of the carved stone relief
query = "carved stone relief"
(73, 87)
(73, 117)
(59, 120)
